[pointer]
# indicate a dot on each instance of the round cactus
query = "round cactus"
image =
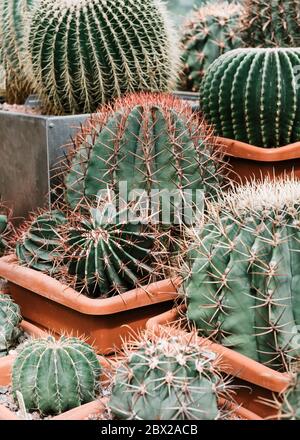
(253, 95)
(166, 378)
(150, 142)
(86, 52)
(289, 408)
(15, 16)
(208, 33)
(271, 23)
(10, 319)
(242, 289)
(55, 376)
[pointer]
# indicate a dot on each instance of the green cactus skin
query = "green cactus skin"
(10, 319)
(252, 95)
(166, 379)
(55, 376)
(272, 23)
(87, 52)
(39, 244)
(290, 406)
(15, 18)
(242, 289)
(151, 142)
(208, 33)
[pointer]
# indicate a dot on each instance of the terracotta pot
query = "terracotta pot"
(258, 382)
(248, 162)
(104, 322)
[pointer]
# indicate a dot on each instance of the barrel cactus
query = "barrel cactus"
(289, 408)
(149, 142)
(253, 96)
(55, 376)
(271, 23)
(207, 34)
(242, 288)
(166, 377)
(15, 16)
(38, 244)
(87, 52)
(10, 319)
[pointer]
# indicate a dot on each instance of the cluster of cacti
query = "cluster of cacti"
(167, 378)
(242, 289)
(54, 376)
(269, 23)
(253, 95)
(15, 18)
(289, 407)
(208, 33)
(153, 142)
(86, 52)
(10, 319)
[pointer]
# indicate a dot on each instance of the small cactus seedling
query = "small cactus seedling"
(55, 376)
(10, 319)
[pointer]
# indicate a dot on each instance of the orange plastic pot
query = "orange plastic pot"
(60, 309)
(257, 382)
(249, 162)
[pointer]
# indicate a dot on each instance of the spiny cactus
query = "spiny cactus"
(3, 232)
(289, 408)
(150, 142)
(269, 23)
(253, 95)
(166, 378)
(38, 244)
(86, 52)
(242, 289)
(207, 34)
(55, 376)
(15, 16)
(10, 319)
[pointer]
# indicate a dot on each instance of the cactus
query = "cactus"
(289, 407)
(15, 16)
(38, 244)
(55, 376)
(271, 23)
(166, 378)
(207, 34)
(152, 142)
(242, 289)
(4, 230)
(84, 53)
(10, 320)
(252, 95)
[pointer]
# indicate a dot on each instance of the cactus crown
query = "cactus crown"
(10, 319)
(55, 376)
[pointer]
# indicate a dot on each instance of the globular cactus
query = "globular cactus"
(242, 288)
(271, 23)
(15, 16)
(253, 95)
(149, 142)
(38, 243)
(207, 34)
(167, 377)
(55, 376)
(289, 407)
(86, 52)
(10, 319)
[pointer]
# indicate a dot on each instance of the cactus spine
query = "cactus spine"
(242, 289)
(55, 376)
(289, 408)
(208, 33)
(10, 320)
(252, 95)
(86, 52)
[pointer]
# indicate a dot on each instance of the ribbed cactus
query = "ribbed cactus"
(207, 34)
(243, 286)
(10, 320)
(253, 95)
(150, 142)
(166, 378)
(15, 16)
(38, 244)
(289, 408)
(86, 52)
(55, 376)
(269, 23)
